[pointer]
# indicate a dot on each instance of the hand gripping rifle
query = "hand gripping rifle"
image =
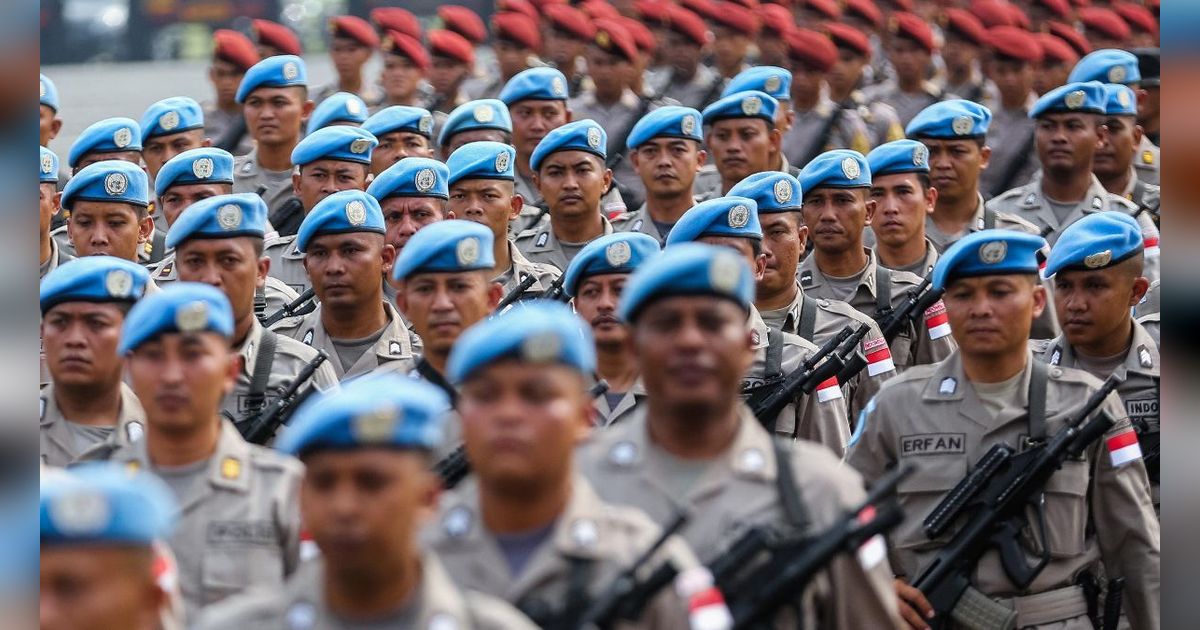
(263, 427)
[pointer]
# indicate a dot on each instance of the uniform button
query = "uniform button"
(623, 454)
(823, 303)
(301, 615)
(443, 621)
(1056, 373)
(457, 522)
(752, 460)
(584, 533)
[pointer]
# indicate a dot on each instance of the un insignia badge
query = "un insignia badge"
(1098, 260)
(993, 252)
(202, 168)
(118, 283)
(1074, 100)
(593, 137)
(42, 89)
(353, 107)
(962, 125)
(290, 71)
(850, 168)
(122, 137)
(229, 217)
(920, 155)
(540, 348)
(191, 317)
(116, 184)
(617, 254)
(502, 162)
(783, 191)
(169, 121)
(1123, 98)
(356, 213)
(688, 125)
(483, 114)
(602, 39)
(425, 125)
(47, 164)
(376, 426)
(751, 105)
(80, 513)
(1116, 74)
(467, 251)
(425, 180)
(723, 271)
(739, 216)
(557, 87)
(772, 83)
(360, 146)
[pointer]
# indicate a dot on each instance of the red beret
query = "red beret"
(964, 24)
(704, 8)
(1056, 49)
(542, 4)
(865, 9)
(1153, 5)
(641, 35)
(1015, 43)
(827, 9)
(814, 50)
(1137, 16)
(907, 25)
(612, 37)
(687, 23)
(653, 12)
(403, 45)
(902, 5)
(1060, 8)
(524, 7)
(846, 36)
(1067, 33)
(1018, 15)
(992, 13)
(569, 20)
(276, 36)
(443, 43)
(749, 4)
(235, 48)
(776, 19)
(1104, 21)
(463, 21)
(355, 28)
(517, 27)
(599, 9)
(397, 19)
(736, 17)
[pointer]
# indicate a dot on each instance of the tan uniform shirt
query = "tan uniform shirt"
(737, 489)
(300, 605)
(522, 268)
(58, 445)
(394, 345)
(249, 176)
(1147, 162)
(277, 293)
(921, 269)
(640, 220)
(609, 538)
(290, 357)
(625, 408)
(932, 418)
(287, 262)
(540, 245)
(149, 252)
(1004, 221)
(57, 257)
(812, 135)
(218, 121)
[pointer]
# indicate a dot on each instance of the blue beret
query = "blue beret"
(446, 246)
(340, 213)
(172, 115)
(540, 331)
(535, 84)
(1096, 241)
(482, 160)
(950, 120)
(109, 181)
(412, 177)
(1119, 100)
(723, 216)
(223, 216)
(773, 191)
(898, 156)
(93, 279)
(840, 168)
(206, 165)
(772, 80)
(580, 135)
(988, 253)
(748, 104)
(1107, 65)
(48, 92)
(487, 113)
(347, 144)
(107, 136)
(1087, 98)
(276, 72)
(102, 502)
(671, 121)
(400, 118)
(181, 307)
(383, 409)
(47, 166)
(689, 269)
(619, 252)
(339, 107)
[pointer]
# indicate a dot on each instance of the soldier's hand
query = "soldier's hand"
(914, 608)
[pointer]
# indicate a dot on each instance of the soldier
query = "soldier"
(101, 572)
(819, 124)
(108, 204)
(396, 19)
(484, 120)
(820, 416)
(405, 65)
(170, 127)
(992, 391)
(108, 139)
(50, 253)
(464, 21)
(566, 32)
(528, 528)
(1114, 161)
(516, 43)
(481, 189)
(49, 124)
(537, 102)
(352, 44)
(904, 198)
(330, 160)
(594, 283)
(853, 56)
(1104, 28)
(453, 60)
(776, 82)
(233, 56)
(412, 195)
(962, 52)
(340, 108)
(777, 23)
(1015, 54)
(274, 98)
(910, 50)
(667, 151)
(696, 446)
(742, 136)
(219, 241)
(274, 39)
(1148, 105)
(402, 132)
(1058, 57)
(1121, 67)
(836, 207)
(366, 490)
(734, 27)
(688, 80)
(83, 306)
(345, 255)
(569, 171)
(239, 526)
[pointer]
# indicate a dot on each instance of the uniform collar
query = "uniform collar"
(949, 383)
(1141, 358)
(292, 249)
(758, 329)
(228, 467)
(249, 349)
(1035, 200)
(811, 275)
(166, 269)
(393, 344)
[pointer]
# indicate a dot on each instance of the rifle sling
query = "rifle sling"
(808, 317)
(430, 374)
(883, 289)
(264, 359)
(789, 491)
(1037, 401)
(989, 218)
(774, 358)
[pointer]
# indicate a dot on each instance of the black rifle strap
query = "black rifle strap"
(577, 585)
(774, 363)
(1037, 400)
(789, 491)
(1014, 167)
(989, 218)
(822, 139)
(264, 359)
(808, 317)
(429, 373)
(883, 289)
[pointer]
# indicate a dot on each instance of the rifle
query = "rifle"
(768, 401)
(995, 497)
(556, 292)
(264, 426)
(516, 293)
(892, 321)
(302, 305)
(754, 599)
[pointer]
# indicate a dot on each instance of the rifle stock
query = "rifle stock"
(263, 427)
(767, 404)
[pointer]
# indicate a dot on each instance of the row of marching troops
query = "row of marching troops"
(701, 315)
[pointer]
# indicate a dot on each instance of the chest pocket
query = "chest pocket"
(920, 492)
(238, 555)
(1066, 512)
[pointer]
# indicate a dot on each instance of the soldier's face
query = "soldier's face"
(345, 268)
(521, 422)
(772, 49)
(682, 52)
(447, 74)
(992, 315)
(532, 120)
(784, 236)
(510, 57)
(1093, 305)
(230, 264)
(609, 72)
(572, 182)
(901, 205)
(274, 115)
(836, 217)
(596, 303)
(440, 306)
(693, 352)
(400, 77)
(1051, 75)
(318, 180)
(1013, 78)
(489, 202)
(742, 146)
(97, 588)
(348, 56)
(113, 229)
(47, 206)
(959, 53)
(157, 150)
(176, 199)
(561, 48)
(363, 508)
(225, 78)
(1066, 143)
(403, 216)
(49, 124)
(954, 166)
(1115, 154)
(806, 81)
(846, 71)
(668, 166)
(729, 46)
(474, 135)
(80, 341)
(908, 58)
(180, 378)
(396, 146)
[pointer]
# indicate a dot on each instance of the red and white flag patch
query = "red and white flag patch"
(828, 390)
(936, 320)
(879, 357)
(1150, 242)
(1123, 448)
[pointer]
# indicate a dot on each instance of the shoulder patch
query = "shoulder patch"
(542, 239)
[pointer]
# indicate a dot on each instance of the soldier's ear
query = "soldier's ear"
(495, 294)
(207, 142)
(264, 270)
(871, 206)
(1140, 286)
(1039, 299)
(296, 183)
(55, 127)
(518, 202)
(701, 159)
(57, 203)
(985, 155)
